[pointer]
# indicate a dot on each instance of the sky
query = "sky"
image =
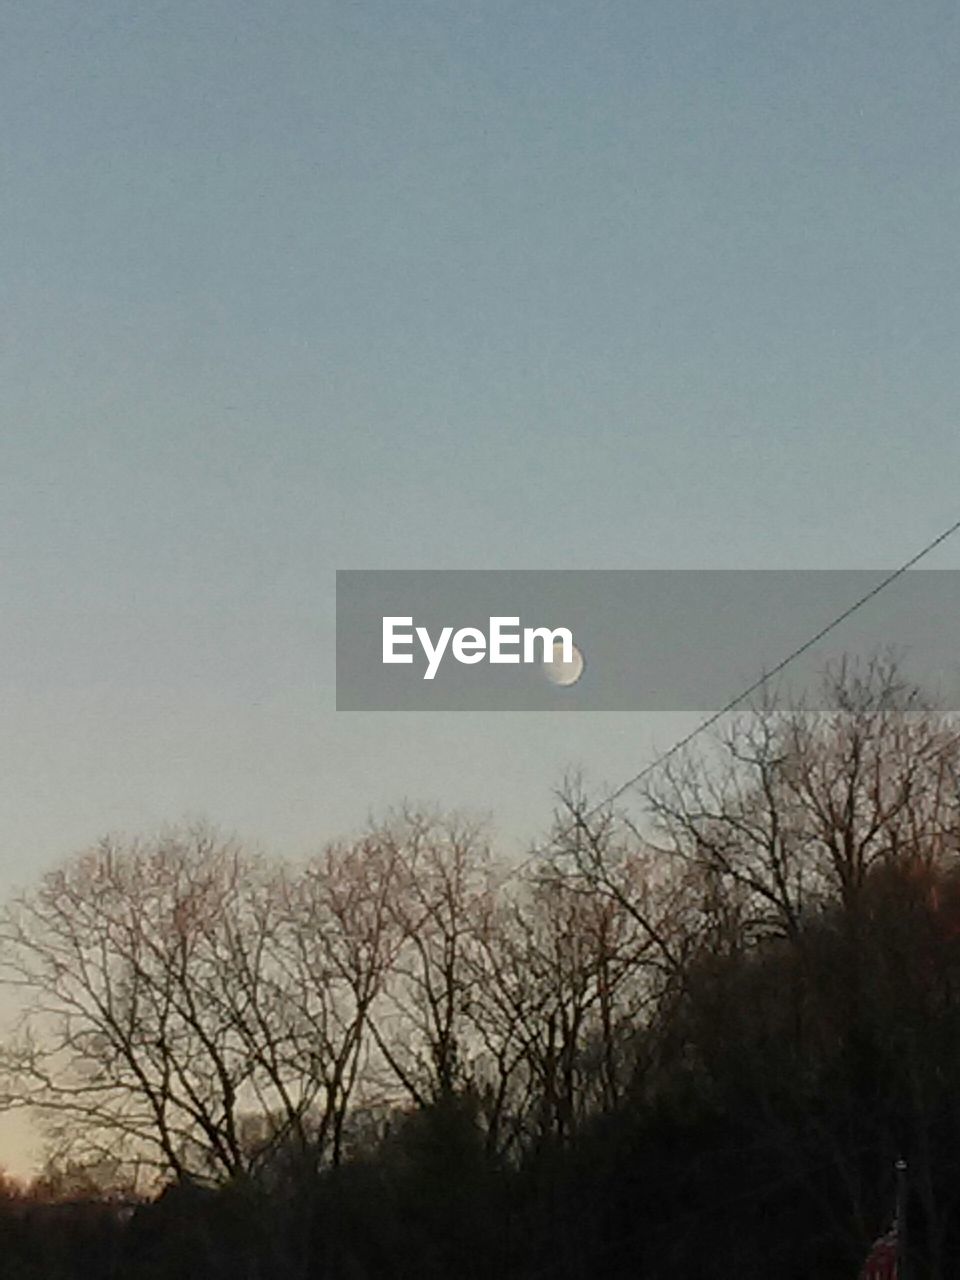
(300, 286)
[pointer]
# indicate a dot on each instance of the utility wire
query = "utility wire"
(758, 684)
(775, 671)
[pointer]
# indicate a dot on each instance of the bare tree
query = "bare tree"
(118, 1035)
(562, 986)
(336, 943)
(796, 804)
(196, 1006)
(423, 1024)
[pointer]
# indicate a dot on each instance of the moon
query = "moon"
(563, 673)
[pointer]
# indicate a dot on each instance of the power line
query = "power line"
(775, 671)
(758, 684)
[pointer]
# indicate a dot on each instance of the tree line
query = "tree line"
(686, 1039)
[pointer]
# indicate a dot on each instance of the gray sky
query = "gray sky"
(296, 286)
